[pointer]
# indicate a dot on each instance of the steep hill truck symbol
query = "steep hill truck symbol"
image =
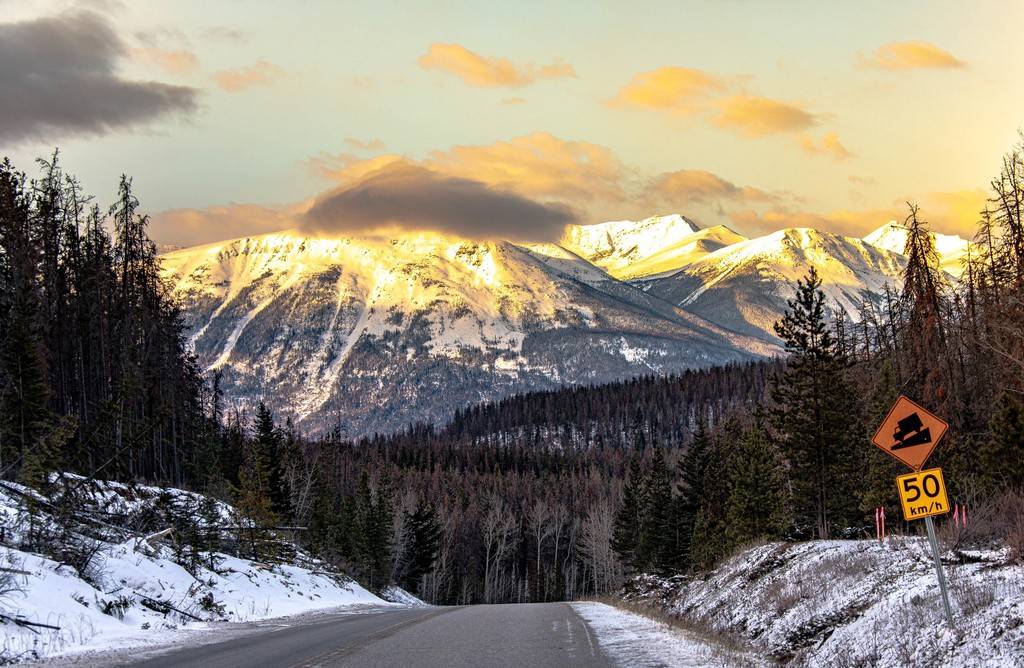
(910, 433)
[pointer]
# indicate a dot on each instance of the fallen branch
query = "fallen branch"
(163, 607)
(24, 623)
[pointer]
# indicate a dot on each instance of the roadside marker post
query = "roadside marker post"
(910, 433)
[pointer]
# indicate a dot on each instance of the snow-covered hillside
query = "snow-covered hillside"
(114, 587)
(952, 249)
(855, 603)
(620, 246)
(744, 286)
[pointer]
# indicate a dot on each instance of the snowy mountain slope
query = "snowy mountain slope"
(370, 334)
(618, 246)
(952, 249)
(744, 287)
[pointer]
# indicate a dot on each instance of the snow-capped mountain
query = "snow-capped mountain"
(951, 249)
(371, 334)
(744, 286)
(618, 246)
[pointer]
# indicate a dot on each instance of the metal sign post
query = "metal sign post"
(938, 569)
(910, 433)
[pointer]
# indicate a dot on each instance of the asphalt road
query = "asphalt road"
(542, 634)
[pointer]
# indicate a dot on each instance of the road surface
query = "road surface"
(526, 635)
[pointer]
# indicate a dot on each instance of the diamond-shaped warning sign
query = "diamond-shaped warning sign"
(910, 433)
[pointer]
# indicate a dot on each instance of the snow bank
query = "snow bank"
(135, 592)
(829, 603)
(634, 640)
(396, 594)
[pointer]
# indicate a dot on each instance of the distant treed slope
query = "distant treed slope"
(626, 414)
(373, 334)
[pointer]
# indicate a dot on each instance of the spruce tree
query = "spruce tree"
(628, 525)
(815, 415)
(757, 505)
(691, 469)
(422, 541)
(658, 530)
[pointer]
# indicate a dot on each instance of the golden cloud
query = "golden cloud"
(478, 70)
(911, 56)
(360, 145)
(759, 116)
(188, 227)
(695, 185)
(178, 62)
(675, 89)
(952, 212)
(260, 73)
(829, 145)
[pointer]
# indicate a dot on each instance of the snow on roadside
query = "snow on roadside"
(135, 592)
(634, 640)
(835, 602)
(396, 594)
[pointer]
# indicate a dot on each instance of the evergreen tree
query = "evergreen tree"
(269, 441)
(628, 525)
(757, 507)
(253, 502)
(816, 415)
(1001, 457)
(691, 470)
(422, 541)
(658, 527)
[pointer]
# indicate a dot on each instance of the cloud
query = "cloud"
(759, 116)
(224, 34)
(699, 186)
(862, 180)
(950, 212)
(260, 73)
(675, 89)
(189, 227)
(477, 70)
(829, 145)
(911, 56)
(57, 78)
(512, 101)
(539, 165)
(177, 62)
(371, 145)
(410, 197)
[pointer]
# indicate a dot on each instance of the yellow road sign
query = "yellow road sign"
(910, 433)
(922, 494)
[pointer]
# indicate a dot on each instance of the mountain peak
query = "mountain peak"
(951, 248)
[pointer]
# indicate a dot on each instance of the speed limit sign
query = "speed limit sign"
(922, 494)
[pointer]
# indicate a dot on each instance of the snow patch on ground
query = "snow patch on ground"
(827, 603)
(396, 594)
(135, 591)
(634, 640)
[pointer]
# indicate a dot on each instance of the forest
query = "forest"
(543, 496)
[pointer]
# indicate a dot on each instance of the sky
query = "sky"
(510, 120)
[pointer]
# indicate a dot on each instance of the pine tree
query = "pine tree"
(628, 526)
(422, 542)
(269, 441)
(253, 502)
(816, 415)
(757, 506)
(658, 530)
(1001, 457)
(691, 470)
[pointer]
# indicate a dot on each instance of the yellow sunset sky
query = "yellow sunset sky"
(233, 117)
